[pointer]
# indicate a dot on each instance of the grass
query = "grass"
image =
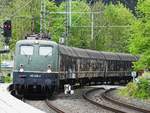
(139, 89)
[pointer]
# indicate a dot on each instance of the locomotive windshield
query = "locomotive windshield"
(45, 51)
(26, 50)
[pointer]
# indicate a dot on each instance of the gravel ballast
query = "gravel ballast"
(129, 100)
(76, 104)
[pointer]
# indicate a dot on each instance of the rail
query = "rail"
(104, 96)
(85, 96)
(53, 107)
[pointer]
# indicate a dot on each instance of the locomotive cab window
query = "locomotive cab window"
(45, 51)
(26, 50)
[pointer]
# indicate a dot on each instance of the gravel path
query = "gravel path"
(40, 105)
(76, 104)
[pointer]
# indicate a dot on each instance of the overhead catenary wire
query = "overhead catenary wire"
(70, 12)
(92, 26)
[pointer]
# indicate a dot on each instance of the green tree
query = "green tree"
(25, 17)
(113, 32)
(22, 14)
(140, 35)
(78, 36)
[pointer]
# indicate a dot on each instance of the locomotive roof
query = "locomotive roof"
(87, 53)
(44, 42)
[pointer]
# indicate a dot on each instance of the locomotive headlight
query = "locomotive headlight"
(21, 69)
(49, 69)
(36, 42)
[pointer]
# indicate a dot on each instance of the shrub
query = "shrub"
(143, 88)
(7, 79)
(129, 90)
(140, 89)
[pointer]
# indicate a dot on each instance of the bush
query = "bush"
(140, 89)
(129, 90)
(143, 88)
(7, 79)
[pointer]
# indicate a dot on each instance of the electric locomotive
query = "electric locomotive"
(34, 60)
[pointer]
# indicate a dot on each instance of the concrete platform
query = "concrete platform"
(10, 104)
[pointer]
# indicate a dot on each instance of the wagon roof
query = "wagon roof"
(82, 53)
(127, 57)
(93, 54)
(110, 56)
(67, 50)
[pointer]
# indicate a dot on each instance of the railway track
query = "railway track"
(43, 105)
(76, 104)
(57, 110)
(103, 100)
(67, 104)
(107, 97)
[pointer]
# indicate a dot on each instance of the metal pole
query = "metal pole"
(70, 18)
(32, 25)
(0, 63)
(42, 16)
(67, 26)
(92, 27)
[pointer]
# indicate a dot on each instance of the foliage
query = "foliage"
(105, 38)
(25, 17)
(7, 79)
(140, 89)
(21, 13)
(78, 36)
(143, 88)
(113, 33)
(129, 90)
(140, 35)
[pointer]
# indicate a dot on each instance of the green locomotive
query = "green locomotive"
(32, 60)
